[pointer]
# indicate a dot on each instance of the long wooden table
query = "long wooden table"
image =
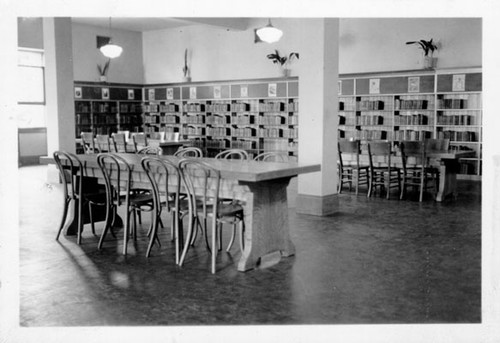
(259, 186)
(446, 161)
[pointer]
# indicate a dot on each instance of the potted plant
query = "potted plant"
(103, 70)
(428, 48)
(185, 69)
(283, 61)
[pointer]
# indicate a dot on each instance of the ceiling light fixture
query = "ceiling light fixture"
(269, 33)
(111, 50)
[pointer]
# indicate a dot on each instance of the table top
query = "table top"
(241, 170)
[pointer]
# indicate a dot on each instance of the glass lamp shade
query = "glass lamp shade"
(269, 33)
(111, 50)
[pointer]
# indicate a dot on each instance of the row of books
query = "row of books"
(401, 104)
(414, 119)
(193, 119)
(194, 130)
(411, 135)
(460, 119)
(452, 103)
(169, 119)
(364, 134)
(278, 145)
(243, 144)
(104, 107)
(369, 105)
(105, 120)
(458, 136)
(130, 108)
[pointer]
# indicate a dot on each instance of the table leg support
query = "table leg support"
(266, 222)
(448, 170)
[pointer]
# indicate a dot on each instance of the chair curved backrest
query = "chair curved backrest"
(233, 154)
(119, 142)
(149, 150)
(126, 133)
(272, 156)
(140, 141)
(412, 152)
(88, 142)
(117, 175)
(68, 171)
(158, 172)
(103, 143)
(433, 144)
(189, 152)
(201, 182)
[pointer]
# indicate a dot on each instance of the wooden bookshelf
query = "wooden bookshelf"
(107, 108)
(254, 115)
(415, 105)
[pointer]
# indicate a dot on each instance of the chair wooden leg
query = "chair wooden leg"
(242, 234)
(80, 221)
(188, 239)
(108, 222)
(154, 229)
(63, 220)
(232, 238)
(214, 242)
(219, 235)
(126, 229)
(91, 218)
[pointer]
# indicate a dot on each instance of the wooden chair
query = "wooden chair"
(351, 171)
(233, 154)
(189, 152)
(149, 150)
(159, 172)
(160, 136)
(126, 133)
(88, 142)
(117, 178)
(272, 156)
(103, 143)
(416, 172)
(140, 141)
(202, 183)
(119, 143)
(383, 173)
(72, 175)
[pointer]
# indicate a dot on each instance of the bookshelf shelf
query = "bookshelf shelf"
(414, 106)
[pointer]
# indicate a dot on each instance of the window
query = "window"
(31, 88)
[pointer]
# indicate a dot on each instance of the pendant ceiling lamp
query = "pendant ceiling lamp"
(111, 50)
(269, 33)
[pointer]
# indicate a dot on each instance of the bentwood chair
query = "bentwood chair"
(202, 184)
(103, 143)
(272, 156)
(72, 175)
(149, 150)
(415, 168)
(166, 195)
(351, 171)
(140, 141)
(189, 152)
(88, 142)
(119, 142)
(117, 178)
(384, 174)
(232, 154)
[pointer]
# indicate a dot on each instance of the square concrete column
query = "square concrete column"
(318, 122)
(57, 41)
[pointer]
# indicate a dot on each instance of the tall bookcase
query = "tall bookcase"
(107, 108)
(414, 105)
(254, 115)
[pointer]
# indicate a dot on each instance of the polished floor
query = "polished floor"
(375, 261)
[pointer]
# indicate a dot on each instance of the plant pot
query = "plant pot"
(285, 72)
(103, 78)
(186, 78)
(430, 62)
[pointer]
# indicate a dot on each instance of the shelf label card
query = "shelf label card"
(414, 84)
(217, 92)
(131, 94)
(192, 92)
(244, 91)
(105, 93)
(78, 92)
(170, 93)
(271, 90)
(458, 83)
(151, 94)
(374, 86)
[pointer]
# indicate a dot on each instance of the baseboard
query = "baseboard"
(317, 205)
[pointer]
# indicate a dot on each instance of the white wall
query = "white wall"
(366, 45)
(371, 44)
(128, 68)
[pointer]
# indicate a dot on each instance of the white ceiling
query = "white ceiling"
(156, 23)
